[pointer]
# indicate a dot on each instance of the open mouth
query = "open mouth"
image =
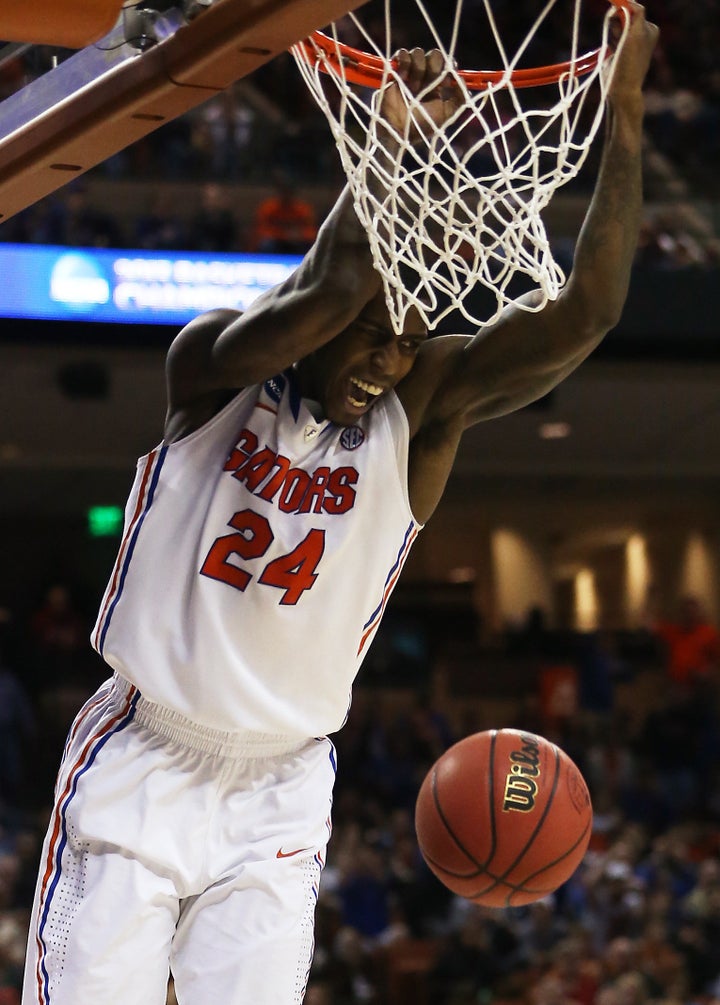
(364, 392)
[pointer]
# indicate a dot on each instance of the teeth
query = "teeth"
(365, 386)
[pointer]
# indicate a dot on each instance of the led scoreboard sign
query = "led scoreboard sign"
(130, 287)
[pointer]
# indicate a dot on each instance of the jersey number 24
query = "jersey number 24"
(292, 573)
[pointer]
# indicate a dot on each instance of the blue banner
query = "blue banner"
(130, 287)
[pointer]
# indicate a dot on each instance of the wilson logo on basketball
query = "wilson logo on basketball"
(520, 784)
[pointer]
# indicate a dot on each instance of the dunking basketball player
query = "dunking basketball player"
(305, 446)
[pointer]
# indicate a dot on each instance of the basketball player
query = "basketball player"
(305, 446)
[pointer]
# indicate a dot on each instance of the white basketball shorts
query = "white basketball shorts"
(172, 846)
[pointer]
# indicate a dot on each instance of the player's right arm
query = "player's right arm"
(224, 350)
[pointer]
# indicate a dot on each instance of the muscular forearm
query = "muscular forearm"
(224, 349)
(321, 298)
(593, 300)
(337, 274)
(341, 254)
(608, 238)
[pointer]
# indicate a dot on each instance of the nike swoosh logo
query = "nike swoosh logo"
(289, 854)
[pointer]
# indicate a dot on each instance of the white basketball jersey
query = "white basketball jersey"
(257, 559)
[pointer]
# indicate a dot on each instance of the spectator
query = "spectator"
(542, 928)
(364, 893)
(698, 902)
(61, 672)
(577, 973)
(41, 223)
(84, 226)
(214, 227)
(672, 111)
(17, 730)
(284, 223)
(599, 666)
(470, 961)
(632, 989)
(620, 956)
(12, 932)
(550, 990)
(691, 644)
(160, 228)
(58, 635)
(229, 124)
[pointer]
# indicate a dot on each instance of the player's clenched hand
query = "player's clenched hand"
(633, 59)
(425, 77)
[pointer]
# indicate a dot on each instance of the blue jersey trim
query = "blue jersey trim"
(133, 542)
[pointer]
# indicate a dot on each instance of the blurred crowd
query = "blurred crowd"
(638, 923)
(268, 129)
(282, 222)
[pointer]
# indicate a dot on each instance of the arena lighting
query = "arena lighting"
(462, 574)
(105, 521)
(554, 430)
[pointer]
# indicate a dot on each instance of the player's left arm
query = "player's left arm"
(464, 380)
(460, 380)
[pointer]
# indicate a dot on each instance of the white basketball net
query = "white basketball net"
(438, 224)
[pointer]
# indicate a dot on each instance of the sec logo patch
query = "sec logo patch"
(351, 437)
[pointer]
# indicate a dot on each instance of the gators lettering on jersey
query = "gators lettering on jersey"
(254, 569)
(271, 475)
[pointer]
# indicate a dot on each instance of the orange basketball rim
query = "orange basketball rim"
(368, 70)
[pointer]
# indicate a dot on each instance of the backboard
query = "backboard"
(70, 25)
(150, 68)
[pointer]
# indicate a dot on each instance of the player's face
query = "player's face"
(351, 373)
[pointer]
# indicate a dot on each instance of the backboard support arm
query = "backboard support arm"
(109, 95)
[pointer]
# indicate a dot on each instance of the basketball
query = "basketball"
(503, 817)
